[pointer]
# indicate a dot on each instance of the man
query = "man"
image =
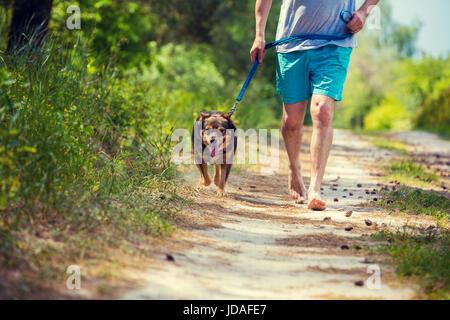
(311, 69)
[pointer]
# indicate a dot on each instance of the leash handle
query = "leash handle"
(346, 16)
(247, 81)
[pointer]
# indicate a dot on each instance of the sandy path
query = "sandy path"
(424, 142)
(257, 244)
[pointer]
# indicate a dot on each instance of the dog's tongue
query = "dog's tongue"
(213, 152)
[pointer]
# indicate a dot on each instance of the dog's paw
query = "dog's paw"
(221, 193)
(199, 187)
(203, 184)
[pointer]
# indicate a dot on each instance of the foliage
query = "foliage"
(189, 80)
(429, 79)
(85, 153)
(419, 97)
(118, 30)
(389, 114)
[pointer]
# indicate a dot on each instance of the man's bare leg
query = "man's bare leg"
(291, 128)
(322, 111)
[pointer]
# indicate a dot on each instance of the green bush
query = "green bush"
(118, 31)
(389, 115)
(69, 129)
(187, 81)
(47, 119)
(434, 112)
(85, 163)
(418, 98)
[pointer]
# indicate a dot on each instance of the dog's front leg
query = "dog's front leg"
(204, 176)
(222, 180)
(217, 174)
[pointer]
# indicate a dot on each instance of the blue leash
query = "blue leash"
(346, 16)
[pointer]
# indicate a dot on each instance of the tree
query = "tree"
(29, 22)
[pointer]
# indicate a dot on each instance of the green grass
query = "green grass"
(421, 255)
(408, 172)
(85, 167)
(416, 201)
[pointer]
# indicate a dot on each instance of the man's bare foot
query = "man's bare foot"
(315, 202)
(296, 187)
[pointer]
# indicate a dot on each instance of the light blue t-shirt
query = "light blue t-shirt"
(313, 17)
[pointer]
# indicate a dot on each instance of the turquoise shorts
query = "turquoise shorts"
(300, 74)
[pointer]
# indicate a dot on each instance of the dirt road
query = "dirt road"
(257, 244)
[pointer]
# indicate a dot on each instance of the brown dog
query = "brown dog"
(214, 141)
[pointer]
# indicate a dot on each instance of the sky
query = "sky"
(434, 36)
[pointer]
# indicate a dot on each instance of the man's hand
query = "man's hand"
(262, 8)
(257, 50)
(360, 16)
(357, 22)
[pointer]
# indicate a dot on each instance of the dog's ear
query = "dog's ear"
(233, 126)
(204, 115)
(229, 121)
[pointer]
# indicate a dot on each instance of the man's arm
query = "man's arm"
(360, 16)
(262, 8)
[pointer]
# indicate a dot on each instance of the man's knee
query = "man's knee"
(322, 111)
(291, 122)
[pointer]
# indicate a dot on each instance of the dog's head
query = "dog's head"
(217, 130)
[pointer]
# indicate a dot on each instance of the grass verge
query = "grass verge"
(415, 201)
(410, 173)
(86, 176)
(421, 255)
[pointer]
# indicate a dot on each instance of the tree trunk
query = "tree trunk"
(29, 22)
